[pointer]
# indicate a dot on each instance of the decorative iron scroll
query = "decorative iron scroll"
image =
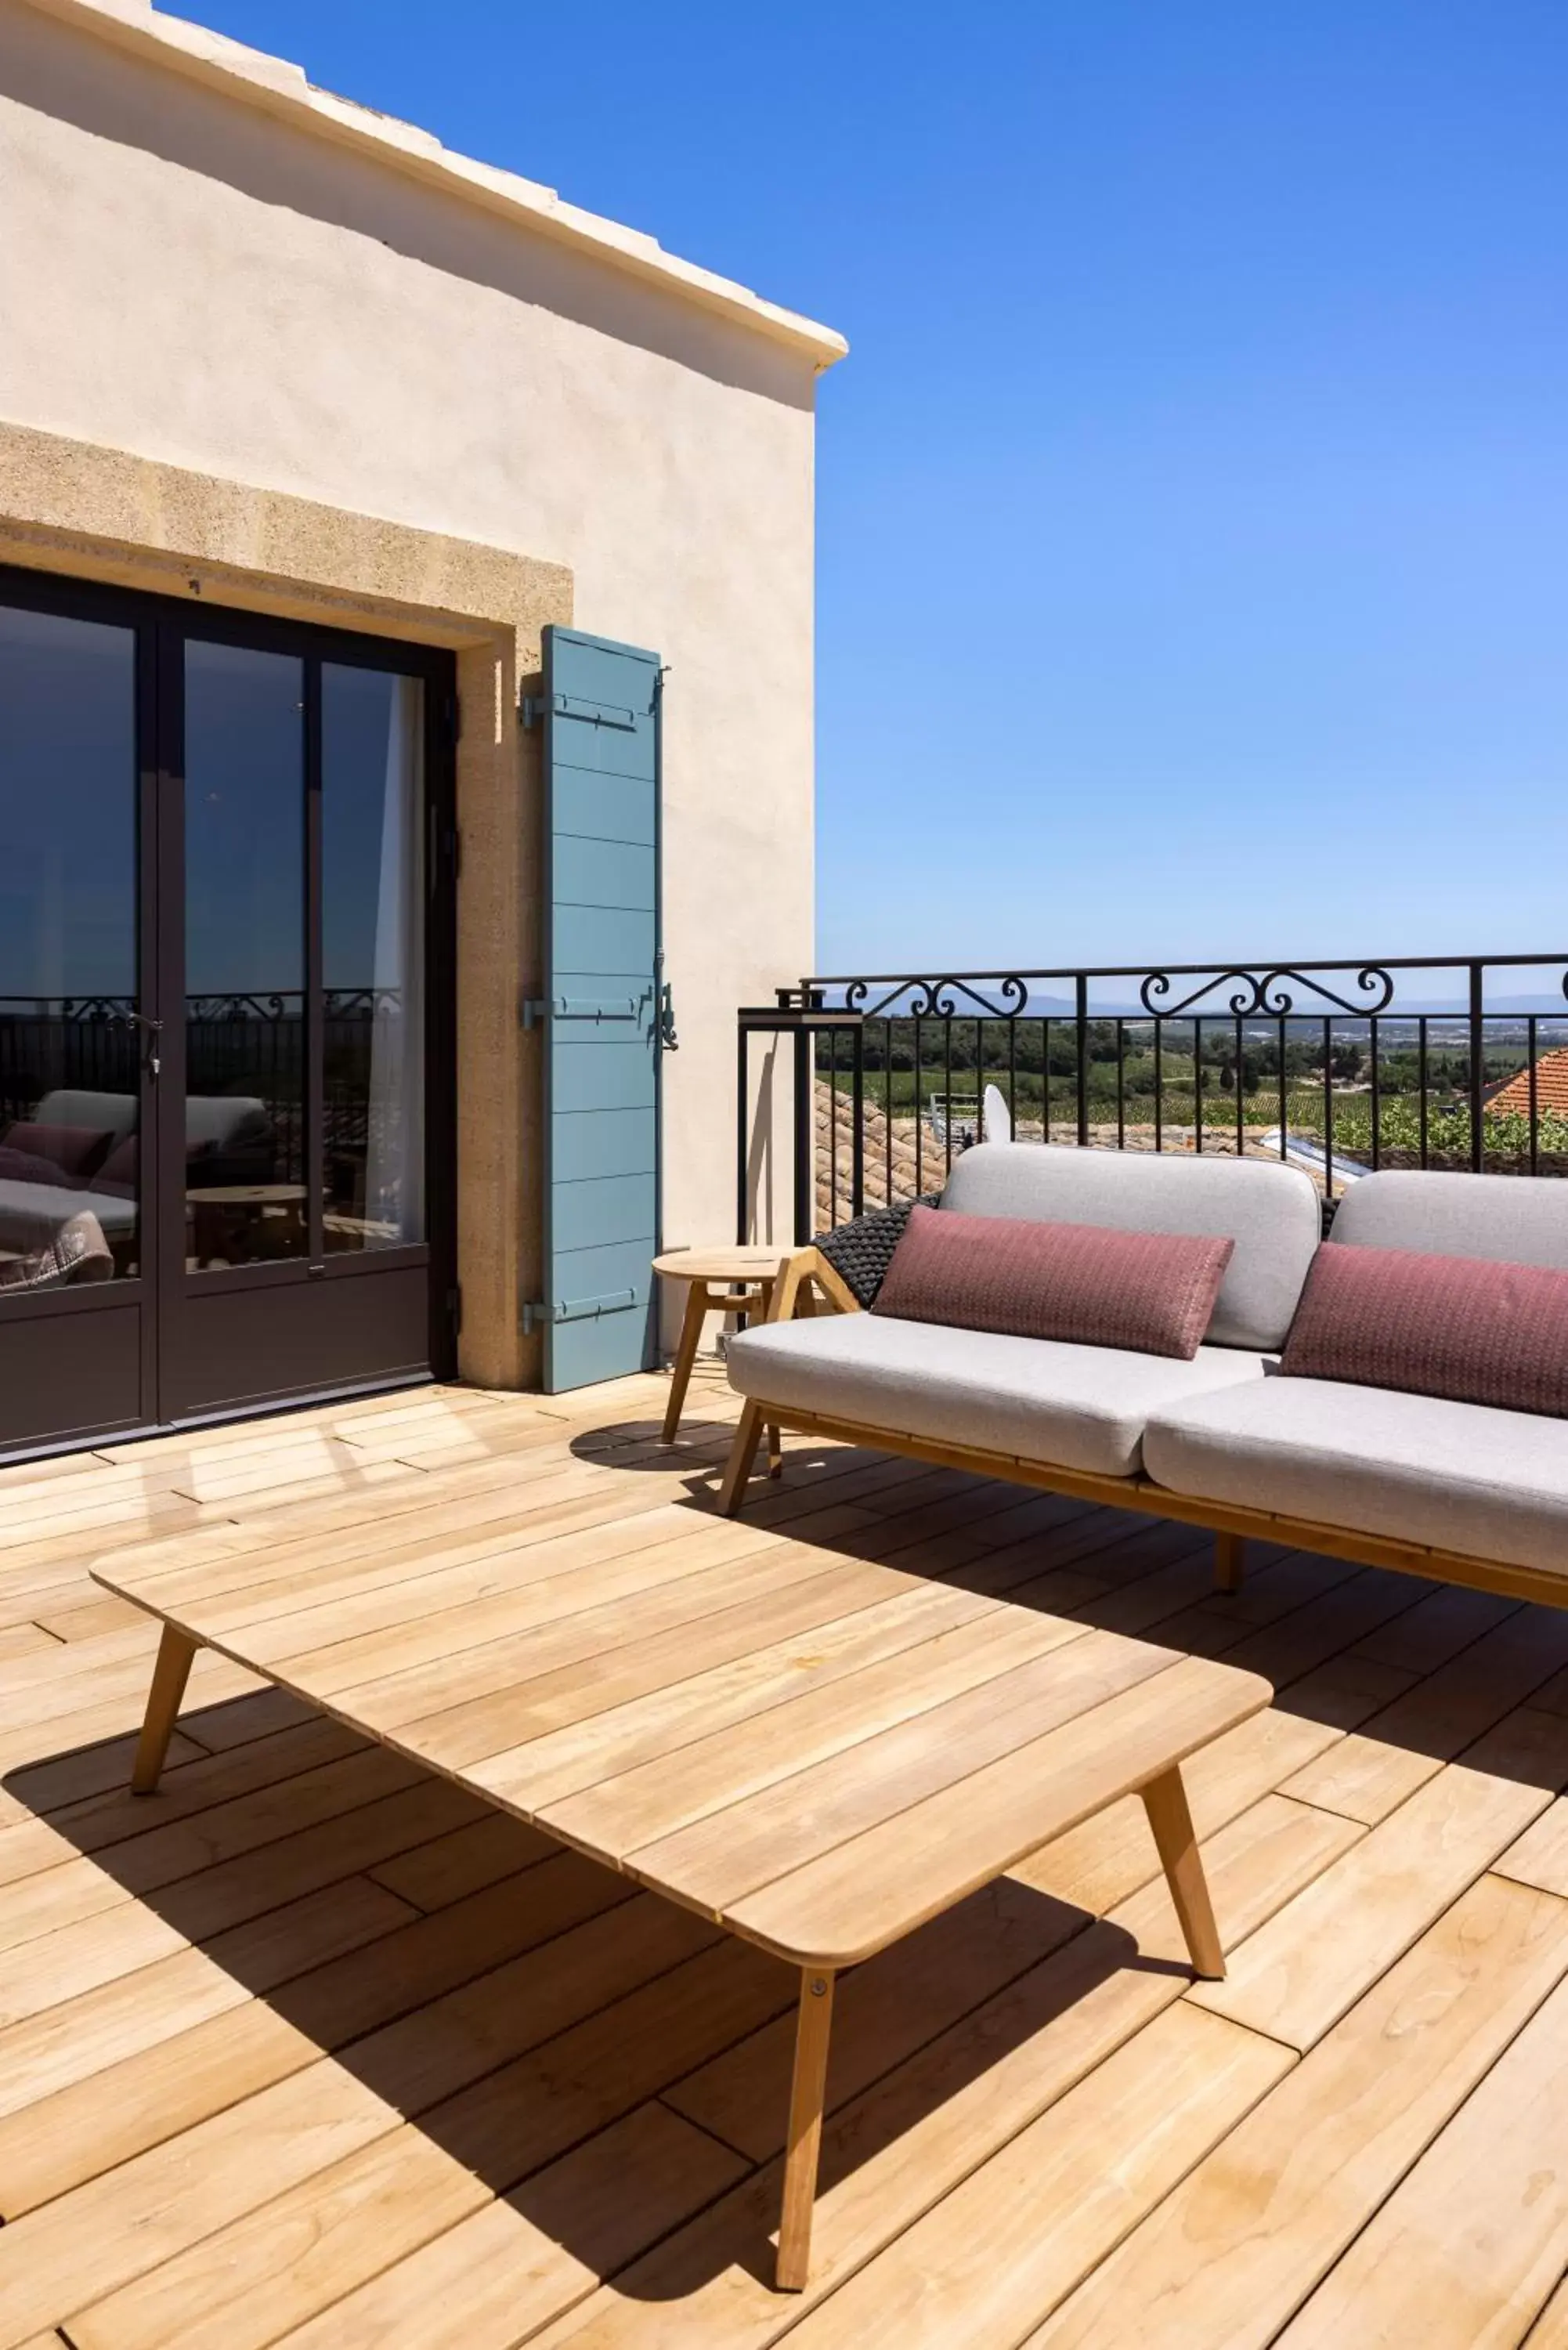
(1264, 994)
(939, 999)
(288, 1004)
(96, 1007)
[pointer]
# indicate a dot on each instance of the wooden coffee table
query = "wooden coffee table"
(816, 1751)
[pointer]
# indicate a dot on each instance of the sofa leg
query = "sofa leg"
(743, 1452)
(1230, 1561)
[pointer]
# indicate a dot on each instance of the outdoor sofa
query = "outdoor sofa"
(1464, 1492)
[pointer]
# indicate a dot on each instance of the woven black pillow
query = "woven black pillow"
(860, 1252)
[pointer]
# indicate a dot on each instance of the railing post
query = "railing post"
(858, 1136)
(1478, 1061)
(743, 1136)
(804, 1137)
(1081, 991)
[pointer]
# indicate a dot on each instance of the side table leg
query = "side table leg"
(170, 1674)
(803, 2144)
(1165, 1801)
(685, 1356)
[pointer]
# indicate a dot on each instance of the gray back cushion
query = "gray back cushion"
(92, 1113)
(1517, 1219)
(219, 1119)
(1270, 1211)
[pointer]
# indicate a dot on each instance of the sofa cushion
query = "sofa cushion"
(104, 1113)
(69, 1152)
(1038, 1398)
(1270, 1211)
(1509, 1218)
(1461, 1326)
(1459, 1477)
(1150, 1292)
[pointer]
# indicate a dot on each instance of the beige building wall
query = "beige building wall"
(207, 266)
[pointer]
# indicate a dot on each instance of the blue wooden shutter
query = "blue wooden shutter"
(601, 1007)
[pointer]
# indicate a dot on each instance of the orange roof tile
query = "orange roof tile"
(1551, 1087)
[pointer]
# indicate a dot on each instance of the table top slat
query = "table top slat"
(877, 1886)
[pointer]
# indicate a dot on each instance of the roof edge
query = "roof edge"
(280, 89)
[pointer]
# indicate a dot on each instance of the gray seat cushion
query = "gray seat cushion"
(32, 1213)
(1271, 1212)
(1459, 1477)
(1068, 1407)
(1506, 1218)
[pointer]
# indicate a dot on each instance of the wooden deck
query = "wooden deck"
(311, 2048)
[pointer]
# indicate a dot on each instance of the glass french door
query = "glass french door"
(225, 952)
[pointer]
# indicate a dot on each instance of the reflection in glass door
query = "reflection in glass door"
(373, 892)
(246, 1188)
(226, 868)
(75, 1033)
(69, 1077)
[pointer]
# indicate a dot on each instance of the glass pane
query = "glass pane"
(69, 1058)
(245, 956)
(372, 901)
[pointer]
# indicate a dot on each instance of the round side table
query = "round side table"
(735, 1280)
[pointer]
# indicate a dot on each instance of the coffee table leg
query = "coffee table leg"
(1165, 1801)
(807, 2091)
(170, 1674)
(685, 1356)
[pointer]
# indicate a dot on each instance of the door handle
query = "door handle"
(152, 1059)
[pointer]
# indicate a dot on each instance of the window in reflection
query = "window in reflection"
(69, 1058)
(372, 899)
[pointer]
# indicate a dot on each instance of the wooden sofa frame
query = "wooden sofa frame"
(808, 1276)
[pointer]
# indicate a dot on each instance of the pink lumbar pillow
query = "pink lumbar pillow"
(1470, 1328)
(1151, 1293)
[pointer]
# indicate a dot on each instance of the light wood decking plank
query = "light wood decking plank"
(1550, 2331)
(1470, 2244)
(525, 2258)
(903, 1998)
(464, 1861)
(340, 2225)
(151, 2095)
(888, 2157)
(1399, 1749)
(1014, 2238)
(1299, 1974)
(1233, 2252)
(1099, 1864)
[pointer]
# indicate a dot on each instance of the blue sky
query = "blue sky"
(1193, 506)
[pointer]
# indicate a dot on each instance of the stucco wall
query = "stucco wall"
(192, 280)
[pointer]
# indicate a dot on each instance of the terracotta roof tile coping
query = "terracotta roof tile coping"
(1551, 1087)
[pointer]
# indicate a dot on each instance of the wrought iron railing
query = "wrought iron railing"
(1339, 1067)
(251, 1044)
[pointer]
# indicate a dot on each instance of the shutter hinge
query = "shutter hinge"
(531, 1010)
(532, 709)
